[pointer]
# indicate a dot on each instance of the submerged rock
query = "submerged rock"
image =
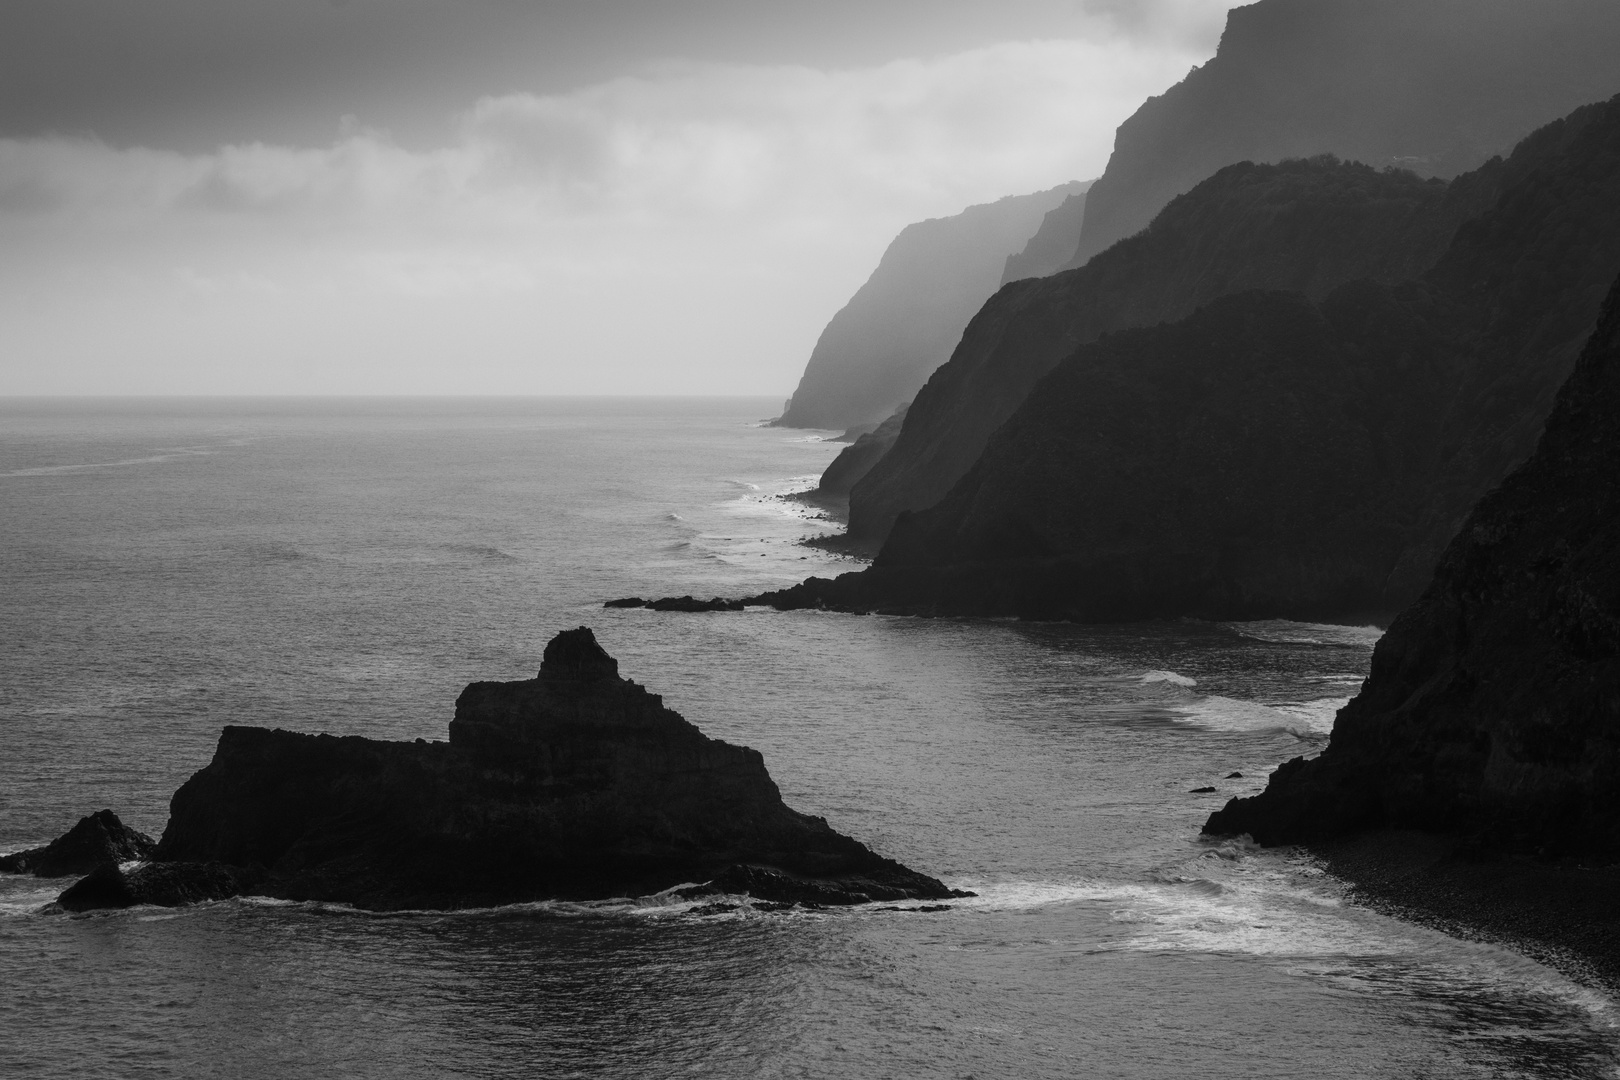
(577, 784)
(677, 603)
(98, 839)
(164, 884)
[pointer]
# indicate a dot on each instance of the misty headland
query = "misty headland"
(1281, 433)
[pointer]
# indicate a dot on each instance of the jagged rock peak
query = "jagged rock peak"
(574, 655)
(98, 839)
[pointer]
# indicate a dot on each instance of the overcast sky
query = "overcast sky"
(500, 196)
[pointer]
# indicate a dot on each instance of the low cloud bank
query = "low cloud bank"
(687, 230)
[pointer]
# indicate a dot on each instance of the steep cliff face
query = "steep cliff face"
(1302, 225)
(1493, 704)
(903, 323)
(575, 784)
(858, 458)
(1436, 86)
(1053, 245)
(1269, 456)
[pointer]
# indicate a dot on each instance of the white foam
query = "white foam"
(1218, 713)
(1172, 677)
(28, 899)
(166, 453)
(1286, 632)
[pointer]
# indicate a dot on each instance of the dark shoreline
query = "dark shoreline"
(1564, 913)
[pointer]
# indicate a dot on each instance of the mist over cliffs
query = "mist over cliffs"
(1271, 454)
(904, 322)
(1053, 245)
(1435, 86)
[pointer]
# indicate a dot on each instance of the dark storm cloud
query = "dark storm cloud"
(189, 74)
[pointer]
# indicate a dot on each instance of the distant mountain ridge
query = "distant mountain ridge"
(1290, 79)
(1271, 456)
(1053, 245)
(905, 320)
(1435, 86)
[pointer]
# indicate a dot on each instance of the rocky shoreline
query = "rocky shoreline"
(1559, 912)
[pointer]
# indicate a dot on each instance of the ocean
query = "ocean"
(171, 566)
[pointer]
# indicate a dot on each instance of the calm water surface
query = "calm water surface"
(347, 566)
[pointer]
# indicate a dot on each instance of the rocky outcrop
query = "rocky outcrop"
(162, 884)
(1435, 86)
(576, 784)
(99, 839)
(903, 323)
(1492, 709)
(677, 603)
(1052, 247)
(1269, 456)
(1308, 226)
(858, 459)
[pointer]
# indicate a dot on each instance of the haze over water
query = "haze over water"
(347, 566)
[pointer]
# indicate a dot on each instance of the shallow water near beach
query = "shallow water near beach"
(169, 567)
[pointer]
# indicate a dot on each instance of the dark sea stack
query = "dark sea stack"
(98, 839)
(1492, 709)
(1436, 86)
(903, 322)
(576, 784)
(1306, 226)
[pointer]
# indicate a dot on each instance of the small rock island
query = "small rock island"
(577, 784)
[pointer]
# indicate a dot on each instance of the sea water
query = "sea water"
(168, 567)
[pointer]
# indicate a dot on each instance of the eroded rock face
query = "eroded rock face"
(98, 839)
(576, 784)
(1493, 705)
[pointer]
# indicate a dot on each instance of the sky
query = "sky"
(514, 196)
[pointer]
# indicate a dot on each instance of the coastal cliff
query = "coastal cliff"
(1269, 456)
(576, 784)
(1308, 226)
(1492, 709)
(1053, 244)
(903, 322)
(1435, 86)
(856, 460)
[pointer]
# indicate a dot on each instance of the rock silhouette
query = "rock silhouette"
(99, 839)
(576, 784)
